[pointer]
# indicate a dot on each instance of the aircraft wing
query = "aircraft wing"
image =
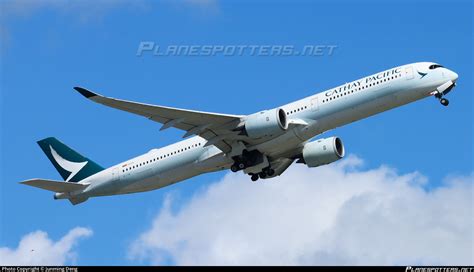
(214, 127)
(280, 165)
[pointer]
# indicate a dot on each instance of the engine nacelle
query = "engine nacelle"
(266, 123)
(323, 151)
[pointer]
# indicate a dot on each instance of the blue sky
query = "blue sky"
(49, 48)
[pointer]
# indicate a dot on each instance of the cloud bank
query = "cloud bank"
(36, 248)
(338, 214)
(85, 10)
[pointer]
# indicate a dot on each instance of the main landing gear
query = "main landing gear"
(267, 172)
(237, 167)
(247, 159)
(257, 164)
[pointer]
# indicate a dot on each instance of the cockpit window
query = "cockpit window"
(434, 66)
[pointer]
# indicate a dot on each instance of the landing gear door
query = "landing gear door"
(314, 104)
(409, 72)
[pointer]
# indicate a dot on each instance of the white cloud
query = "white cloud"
(336, 214)
(204, 8)
(204, 4)
(85, 10)
(36, 248)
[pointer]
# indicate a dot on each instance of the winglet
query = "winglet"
(84, 92)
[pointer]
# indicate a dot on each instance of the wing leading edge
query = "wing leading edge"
(215, 127)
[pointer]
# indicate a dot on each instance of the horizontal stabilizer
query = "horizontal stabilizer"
(55, 186)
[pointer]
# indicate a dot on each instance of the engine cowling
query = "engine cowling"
(323, 151)
(266, 123)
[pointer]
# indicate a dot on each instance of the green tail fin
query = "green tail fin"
(71, 165)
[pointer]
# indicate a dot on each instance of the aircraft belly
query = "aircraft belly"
(280, 145)
(165, 173)
(162, 180)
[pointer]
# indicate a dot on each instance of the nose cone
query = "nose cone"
(452, 75)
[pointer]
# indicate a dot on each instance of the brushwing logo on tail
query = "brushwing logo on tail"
(72, 167)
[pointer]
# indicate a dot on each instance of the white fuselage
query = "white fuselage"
(323, 111)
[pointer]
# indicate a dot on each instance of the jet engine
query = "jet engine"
(322, 151)
(266, 123)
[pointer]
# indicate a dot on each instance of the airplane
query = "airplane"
(262, 145)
